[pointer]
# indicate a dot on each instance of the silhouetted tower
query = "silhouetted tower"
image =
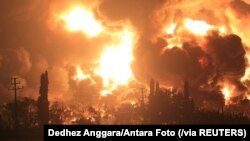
(188, 104)
(152, 87)
(157, 88)
(43, 104)
(142, 101)
(15, 86)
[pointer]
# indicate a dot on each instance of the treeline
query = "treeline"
(163, 106)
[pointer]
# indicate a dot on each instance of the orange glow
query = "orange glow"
(222, 30)
(171, 29)
(133, 102)
(177, 32)
(174, 42)
(247, 71)
(78, 19)
(82, 76)
(106, 92)
(115, 63)
(247, 74)
(227, 92)
(197, 27)
(248, 96)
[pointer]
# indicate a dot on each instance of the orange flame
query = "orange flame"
(197, 27)
(82, 76)
(248, 96)
(247, 71)
(78, 19)
(170, 30)
(247, 74)
(115, 63)
(227, 92)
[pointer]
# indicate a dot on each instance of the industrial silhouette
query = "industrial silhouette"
(160, 106)
(42, 102)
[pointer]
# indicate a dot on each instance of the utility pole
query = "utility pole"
(142, 98)
(15, 85)
(142, 103)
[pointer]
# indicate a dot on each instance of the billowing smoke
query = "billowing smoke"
(206, 64)
(228, 56)
(30, 44)
(34, 42)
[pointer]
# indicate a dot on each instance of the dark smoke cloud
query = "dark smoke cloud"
(141, 13)
(221, 59)
(176, 64)
(228, 56)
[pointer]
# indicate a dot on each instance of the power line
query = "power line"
(15, 85)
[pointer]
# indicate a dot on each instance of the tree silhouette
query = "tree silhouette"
(43, 104)
(27, 116)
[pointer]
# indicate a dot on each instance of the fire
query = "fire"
(247, 74)
(227, 92)
(106, 92)
(248, 96)
(247, 71)
(115, 63)
(82, 76)
(197, 27)
(79, 19)
(176, 32)
(222, 30)
(170, 30)
(133, 103)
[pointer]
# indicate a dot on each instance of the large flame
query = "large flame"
(80, 75)
(247, 71)
(178, 33)
(248, 96)
(170, 30)
(79, 19)
(227, 91)
(198, 28)
(115, 63)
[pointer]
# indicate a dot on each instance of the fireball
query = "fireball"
(170, 30)
(79, 19)
(80, 75)
(227, 91)
(115, 63)
(248, 96)
(197, 27)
